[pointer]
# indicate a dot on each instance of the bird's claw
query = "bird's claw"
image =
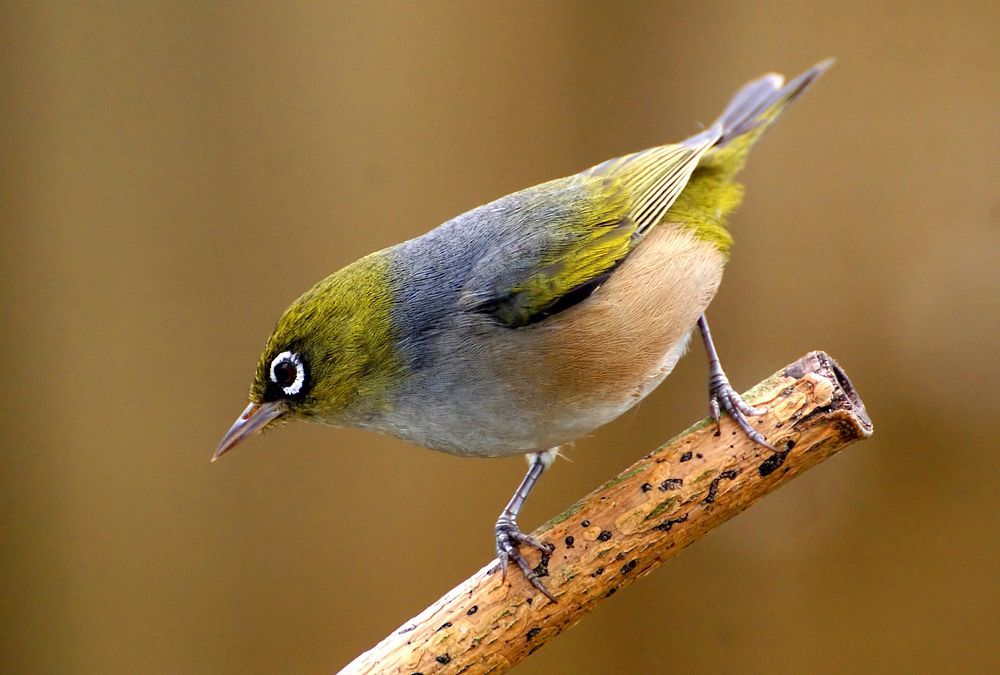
(508, 538)
(722, 396)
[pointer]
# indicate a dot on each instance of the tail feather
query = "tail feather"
(761, 102)
(713, 192)
(747, 103)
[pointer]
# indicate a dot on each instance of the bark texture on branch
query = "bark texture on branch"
(630, 525)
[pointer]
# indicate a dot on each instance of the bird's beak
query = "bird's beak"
(254, 419)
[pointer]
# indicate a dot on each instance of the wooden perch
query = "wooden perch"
(628, 526)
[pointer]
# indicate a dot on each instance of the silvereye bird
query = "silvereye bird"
(528, 322)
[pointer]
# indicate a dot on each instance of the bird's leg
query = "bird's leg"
(509, 536)
(721, 393)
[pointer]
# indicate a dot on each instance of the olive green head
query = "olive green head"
(332, 356)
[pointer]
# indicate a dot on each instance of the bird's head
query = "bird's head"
(332, 355)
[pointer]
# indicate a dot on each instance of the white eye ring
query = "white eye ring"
(300, 372)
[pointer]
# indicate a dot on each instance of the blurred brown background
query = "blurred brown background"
(175, 173)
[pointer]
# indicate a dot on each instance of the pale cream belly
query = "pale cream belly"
(599, 358)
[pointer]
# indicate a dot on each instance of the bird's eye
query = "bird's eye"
(288, 372)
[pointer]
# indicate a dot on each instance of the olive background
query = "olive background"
(175, 173)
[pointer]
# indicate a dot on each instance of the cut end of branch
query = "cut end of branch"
(845, 397)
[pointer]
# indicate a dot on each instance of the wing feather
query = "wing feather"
(572, 233)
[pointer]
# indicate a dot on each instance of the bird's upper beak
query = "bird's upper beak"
(254, 419)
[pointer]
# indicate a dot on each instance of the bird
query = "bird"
(528, 322)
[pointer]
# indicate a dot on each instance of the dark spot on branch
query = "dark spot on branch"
(611, 591)
(446, 624)
(671, 484)
(444, 659)
(645, 487)
(670, 522)
(713, 488)
(629, 566)
(604, 535)
(598, 572)
(543, 565)
(698, 455)
(686, 457)
(771, 464)
(472, 610)
(533, 632)
(407, 629)
(569, 541)
(585, 523)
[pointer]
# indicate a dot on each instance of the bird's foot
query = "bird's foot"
(722, 396)
(509, 537)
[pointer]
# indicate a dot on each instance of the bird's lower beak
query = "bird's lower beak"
(254, 419)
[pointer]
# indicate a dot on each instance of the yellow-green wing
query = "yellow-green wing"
(556, 243)
(656, 177)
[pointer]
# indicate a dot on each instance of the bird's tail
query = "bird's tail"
(712, 192)
(756, 107)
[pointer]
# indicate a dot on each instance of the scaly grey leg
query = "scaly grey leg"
(509, 536)
(720, 392)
